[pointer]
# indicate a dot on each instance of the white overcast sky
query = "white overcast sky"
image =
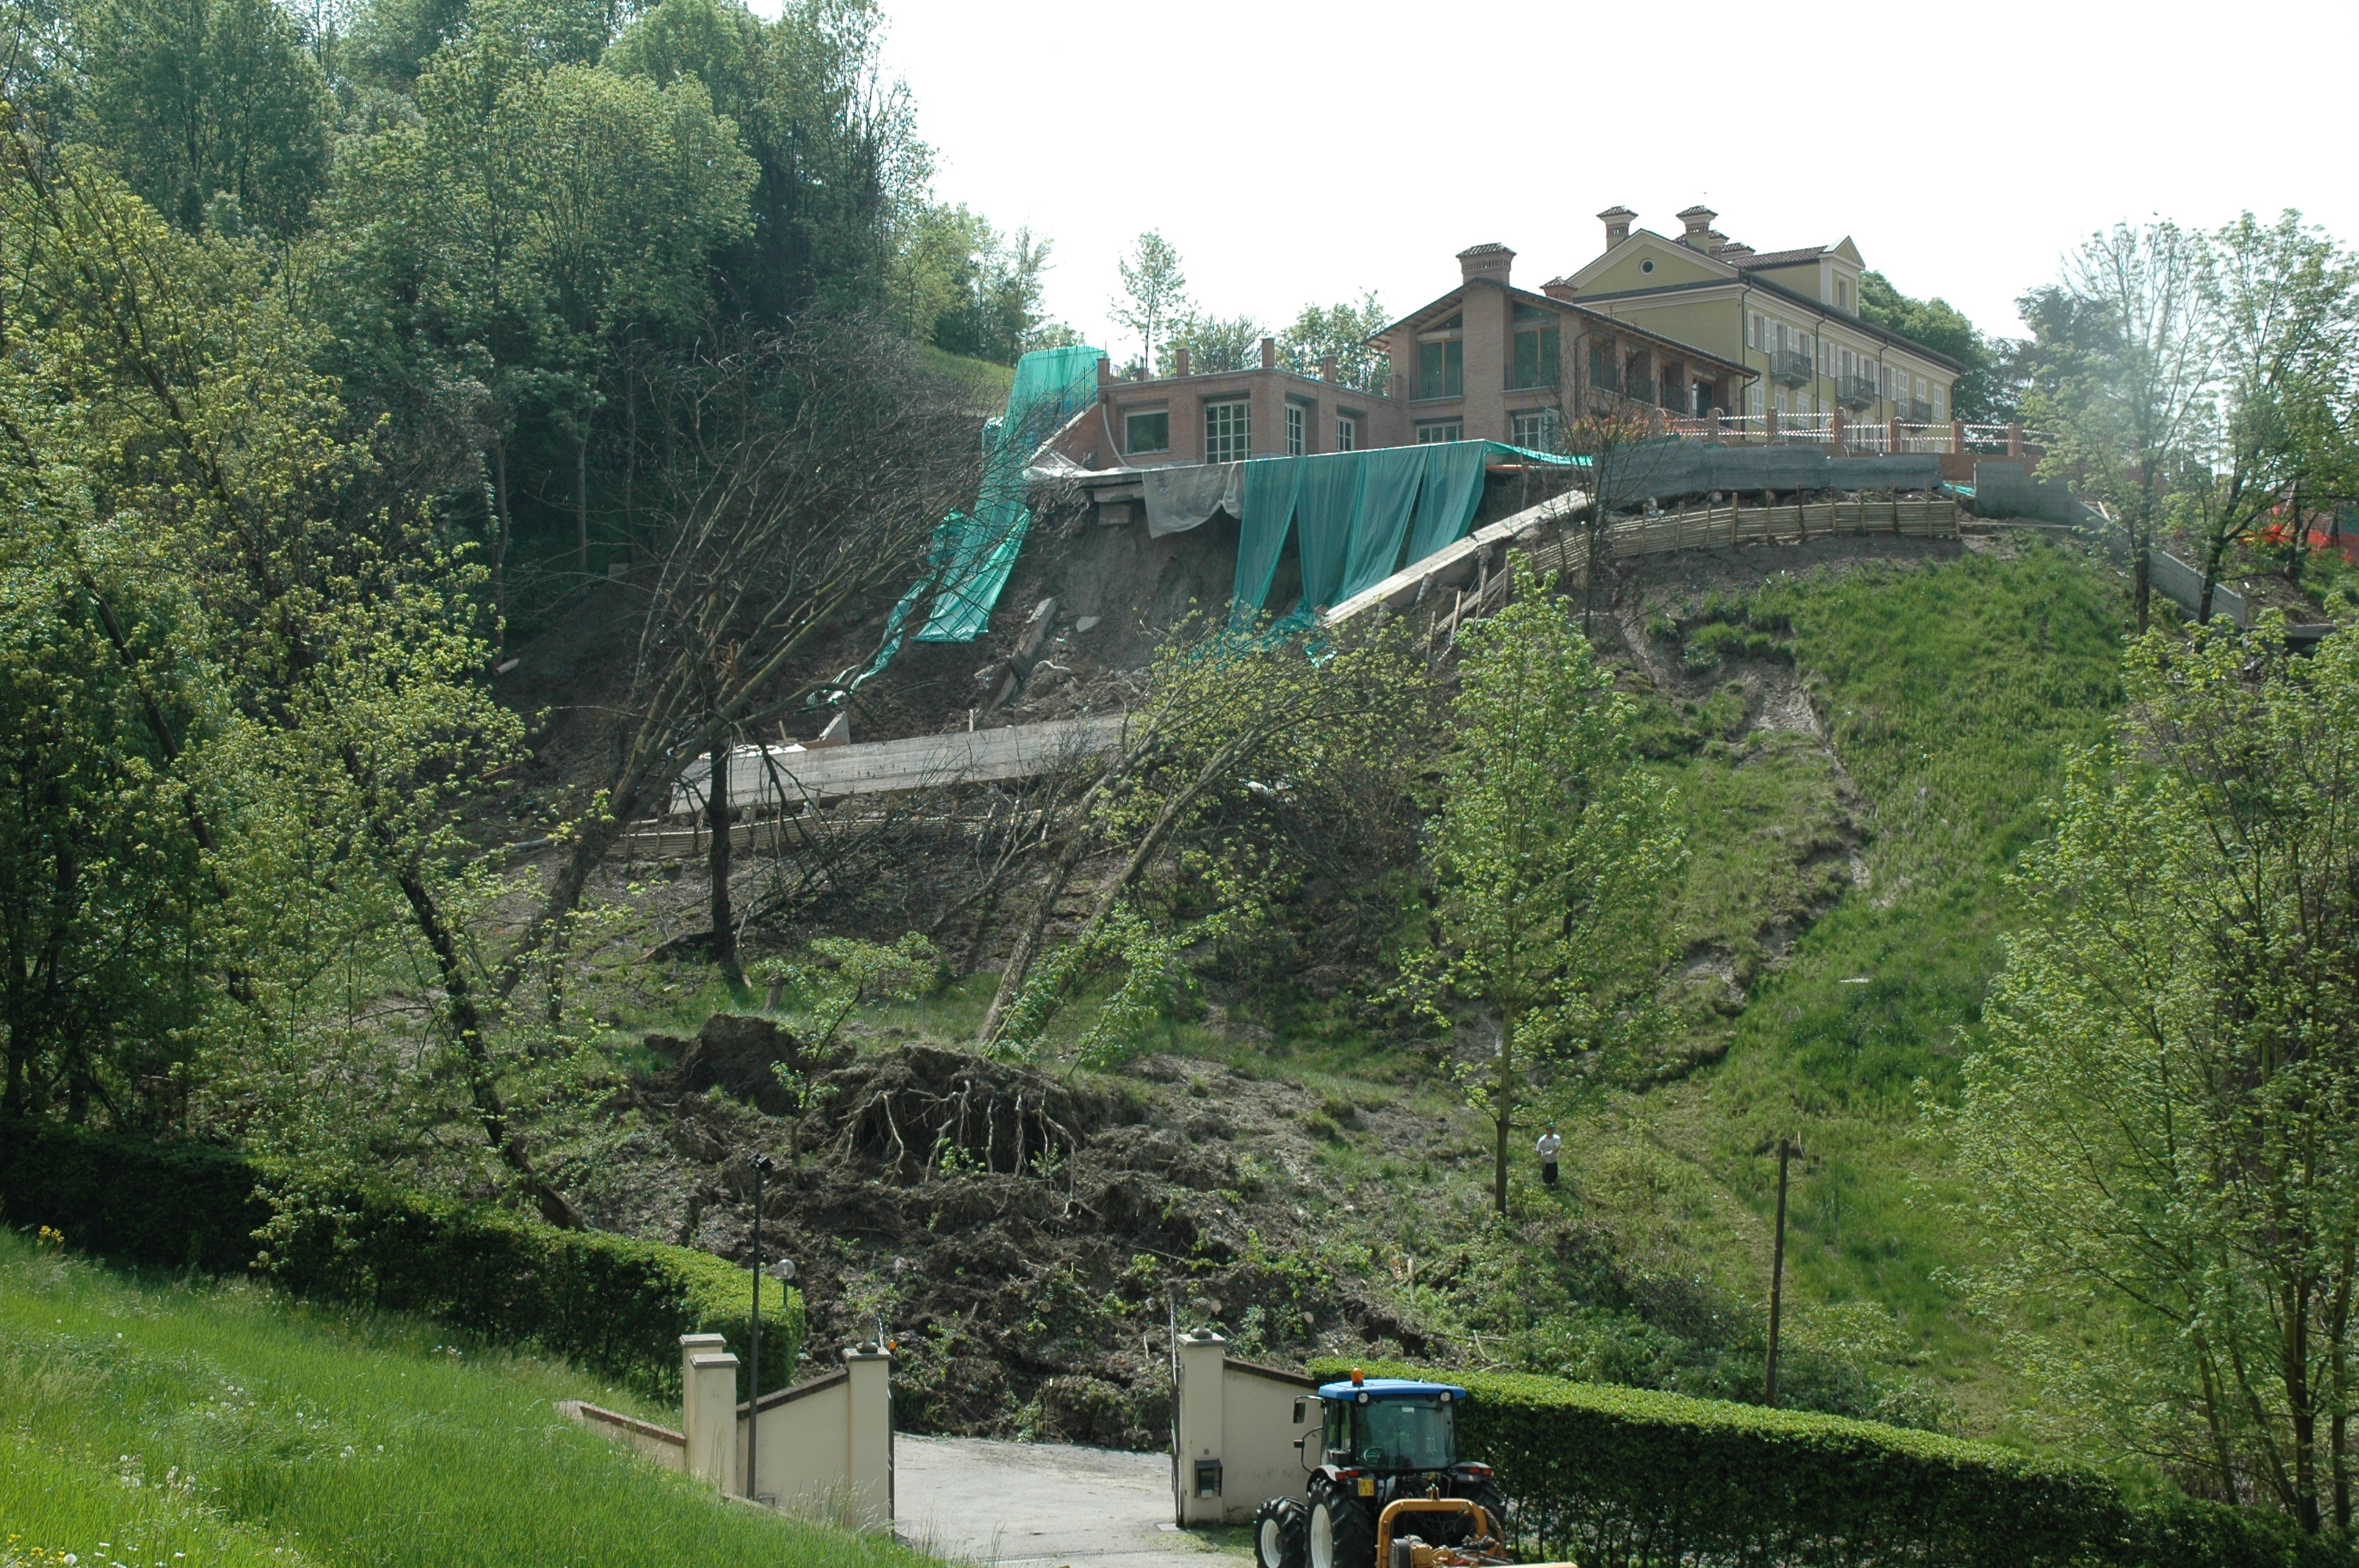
(1301, 150)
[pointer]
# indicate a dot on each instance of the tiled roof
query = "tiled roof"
(1778, 258)
(1489, 248)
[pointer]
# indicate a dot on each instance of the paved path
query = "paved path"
(1043, 1505)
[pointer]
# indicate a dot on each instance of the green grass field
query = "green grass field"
(145, 1421)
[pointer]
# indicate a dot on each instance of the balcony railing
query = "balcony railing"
(1604, 377)
(1855, 390)
(1792, 366)
(1638, 389)
(1920, 412)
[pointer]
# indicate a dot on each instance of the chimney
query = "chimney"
(1558, 288)
(1618, 224)
(1719, 241)
(1106, 376)
(1270, 354)
(1178, 361)
(1490, 260)
(1327, 367)
(1699, 221)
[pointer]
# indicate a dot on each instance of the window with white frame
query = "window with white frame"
(1781, 400)
(1938, 415)
(1226, 429)
(1536, 430)
(1920, 389)
(1441, 430)
(1347, 433)
(1147, 432)
(1297, 424)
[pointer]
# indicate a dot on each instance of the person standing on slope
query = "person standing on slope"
(1546, 1148)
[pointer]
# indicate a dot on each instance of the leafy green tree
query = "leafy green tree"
(1154, 293)
(1342, 330)
(2282, 303)
(200, 101)
(1980, 391)
(1215, 343)
(1553, 860)
(2119, 376)
(2162, 1129)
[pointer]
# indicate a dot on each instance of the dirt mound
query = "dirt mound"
(739, 1056)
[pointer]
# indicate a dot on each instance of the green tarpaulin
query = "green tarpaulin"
(1350, 510)
(1325, 515)
(972, 552)
(1051, 385)
(1453, 494)
(1270, 487)
(1387, 499)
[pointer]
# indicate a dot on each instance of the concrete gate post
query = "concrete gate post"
(1203, 1355)
(869, 1435)
(709, 1418)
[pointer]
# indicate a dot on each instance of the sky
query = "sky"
(1302, 151)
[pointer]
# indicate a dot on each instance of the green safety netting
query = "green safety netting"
(1387, 501)
(1267, 502)
(973, 551)
(1350, 510)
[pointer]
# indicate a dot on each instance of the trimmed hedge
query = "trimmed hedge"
(610, 1303)
(1613, 1475)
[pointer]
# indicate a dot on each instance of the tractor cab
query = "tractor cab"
(1388, 1425)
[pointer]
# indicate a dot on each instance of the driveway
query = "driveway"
(1045, 1505)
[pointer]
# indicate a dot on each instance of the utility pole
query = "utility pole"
(1778, 1269)
(754, 1338)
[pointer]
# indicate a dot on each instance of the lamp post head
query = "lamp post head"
(765, 1165)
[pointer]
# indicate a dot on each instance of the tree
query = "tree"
(1341, 330)
(1224, 711)
(2282, 305)
(1979, 392)
(2162, 1128)
(1553, 860)
(2120, 373)
(1155, 294)
(202, 99)
(1215, 343)
(825, 462)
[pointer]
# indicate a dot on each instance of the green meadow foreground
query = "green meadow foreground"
(154, 1422)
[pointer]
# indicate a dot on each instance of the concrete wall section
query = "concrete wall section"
(1243, 1419)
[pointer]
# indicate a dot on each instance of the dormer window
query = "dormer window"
(1842, 294)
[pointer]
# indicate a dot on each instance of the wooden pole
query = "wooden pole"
(1778, 1271)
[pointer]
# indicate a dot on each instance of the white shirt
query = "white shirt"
(1548, 1145)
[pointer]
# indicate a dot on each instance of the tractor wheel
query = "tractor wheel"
(1280, 1527)
(1342, 1535)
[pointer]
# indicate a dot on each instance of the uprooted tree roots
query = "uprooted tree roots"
(923, 1112)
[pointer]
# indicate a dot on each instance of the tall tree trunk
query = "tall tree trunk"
(467, 1027)
(2141, 578)
(2338, 1425)
(503, 530)
(1503, 1110)
(716, 817)
(581, 501)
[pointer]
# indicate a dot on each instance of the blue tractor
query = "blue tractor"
(1384, 1441)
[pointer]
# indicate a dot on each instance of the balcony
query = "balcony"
(1604, 377)
(1677, 398)
(1856, 392)
(1638, 389)
(1791, 367)
(1920, 412)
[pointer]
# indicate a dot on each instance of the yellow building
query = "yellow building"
(1790, 316)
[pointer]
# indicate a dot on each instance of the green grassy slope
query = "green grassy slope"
(1952, 696)
(144, 1421)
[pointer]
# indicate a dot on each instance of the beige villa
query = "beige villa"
(1791, 318)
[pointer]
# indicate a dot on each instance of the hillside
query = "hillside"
(1861, 733)
(154, 1420)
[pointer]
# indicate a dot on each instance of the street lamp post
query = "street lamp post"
(762, 1165)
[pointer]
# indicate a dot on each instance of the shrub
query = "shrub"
(1611, 1477)
(611, 1303)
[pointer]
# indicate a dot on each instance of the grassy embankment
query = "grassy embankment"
(1952, 696)
(146, 1421)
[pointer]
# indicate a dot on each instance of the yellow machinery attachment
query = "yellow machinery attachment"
(1481, 1550)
